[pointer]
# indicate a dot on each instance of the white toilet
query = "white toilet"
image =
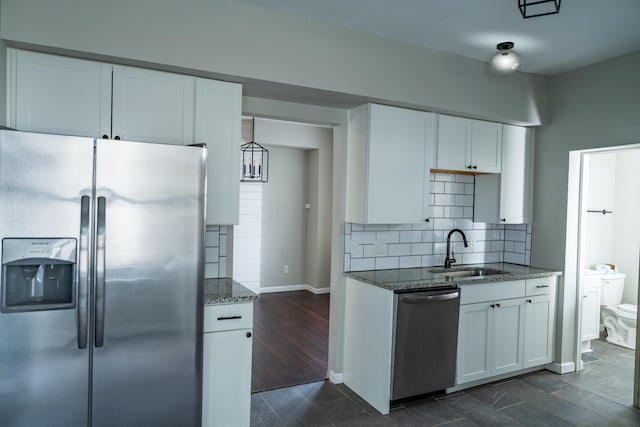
(618, 319)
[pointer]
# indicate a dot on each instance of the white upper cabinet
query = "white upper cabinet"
(507, 198)
(60, 95)
(468, 145)
(68, 96)
(218, 124)
(389, 157)
(152, 106)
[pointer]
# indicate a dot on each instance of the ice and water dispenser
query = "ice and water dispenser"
(38, 274)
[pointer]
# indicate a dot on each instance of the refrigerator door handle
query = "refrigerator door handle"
(100, 264)
(83, 273)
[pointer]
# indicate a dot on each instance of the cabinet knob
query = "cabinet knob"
(492, 306)
(469, 167)
(248, 334)
(529, 301)
(117, 137)
(475, 167)
(105, 136)
(498, 305)
(503, 219)
(426, 220)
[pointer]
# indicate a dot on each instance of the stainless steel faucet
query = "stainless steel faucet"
(450, 260)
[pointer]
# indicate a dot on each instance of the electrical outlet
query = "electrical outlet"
(472, 244)
(286, 269)
(379, 248)
(355, 248)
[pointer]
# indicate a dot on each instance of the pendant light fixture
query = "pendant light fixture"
(255, 159)
(506, 60)
(533, 8)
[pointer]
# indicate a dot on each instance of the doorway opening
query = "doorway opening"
(282, 250)
(607, 270)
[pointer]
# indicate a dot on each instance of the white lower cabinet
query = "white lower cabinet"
(539, 312)
(490, 339)
(502, 336)
(226, 371)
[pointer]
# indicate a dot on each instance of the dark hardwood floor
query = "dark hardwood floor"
(291, 335)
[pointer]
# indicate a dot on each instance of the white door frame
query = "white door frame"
(574, 251)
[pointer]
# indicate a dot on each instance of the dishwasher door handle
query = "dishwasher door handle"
(428, 298)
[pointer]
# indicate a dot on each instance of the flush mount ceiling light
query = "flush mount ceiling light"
(531, 9)
(505, 61)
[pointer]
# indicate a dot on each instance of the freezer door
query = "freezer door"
(149, 272)
(44, 371)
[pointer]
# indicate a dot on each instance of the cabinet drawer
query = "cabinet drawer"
(226, 317)
(541, 286)
(491, 291)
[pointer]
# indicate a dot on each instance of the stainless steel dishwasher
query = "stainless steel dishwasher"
(425, 341)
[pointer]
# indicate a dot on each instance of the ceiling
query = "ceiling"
(583, 33)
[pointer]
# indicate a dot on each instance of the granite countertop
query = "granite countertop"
(433, 277)
(226, 291)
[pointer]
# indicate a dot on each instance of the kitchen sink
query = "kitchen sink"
(467, 272)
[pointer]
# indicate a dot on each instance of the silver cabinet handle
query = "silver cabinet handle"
(82, 281)
(542, 286)
(427, 298)
(100, 260)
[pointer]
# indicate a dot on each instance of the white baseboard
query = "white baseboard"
(290, 288)
(336, 377)
(561, 368)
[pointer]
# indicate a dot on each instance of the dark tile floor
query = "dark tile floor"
(599, 395)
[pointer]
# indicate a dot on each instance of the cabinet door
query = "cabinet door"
(60, 95)
(218, 124)
(516, 178)
(397, 171)
(475, 335)
(454, 143)
(590, 314)
(486, 146)
(539, 330)
(152, 106)
(226, 379)
(508, 327)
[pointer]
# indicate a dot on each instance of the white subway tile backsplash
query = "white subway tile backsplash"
(363, 237)
(410, 262)
(444, 199)
(362, 264)
(454, 188)
(390, 236)
(424, 244)
(387, 263)
(410, 236)
(446, 177)
(437, 187)
(399, 249)
(465, 178)
(376, 227)
(421, 248)
(398, 227)
(357, 227)
(215, 251)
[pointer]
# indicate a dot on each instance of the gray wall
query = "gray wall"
(284, 218)
(316, 144)
(597, 106)
(232, 40)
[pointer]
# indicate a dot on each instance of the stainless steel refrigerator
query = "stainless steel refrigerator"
(101, 284)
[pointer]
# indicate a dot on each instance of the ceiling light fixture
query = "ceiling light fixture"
(505, 61)
(255, 159)
(531, 9)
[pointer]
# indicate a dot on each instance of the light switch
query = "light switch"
(379, 248)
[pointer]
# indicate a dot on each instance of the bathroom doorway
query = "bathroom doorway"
(607, 271)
